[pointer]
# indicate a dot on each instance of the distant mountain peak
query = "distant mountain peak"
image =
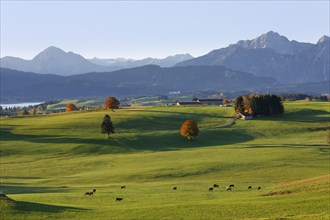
(53, 49)
(275, 41)
(50, 52)
(323, 39)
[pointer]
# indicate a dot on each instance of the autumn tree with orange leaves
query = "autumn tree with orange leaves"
(70, 107)
(111, 103)
(189, 129)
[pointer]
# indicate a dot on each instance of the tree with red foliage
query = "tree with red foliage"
(111, 103)
(70, 107)
(189, 129)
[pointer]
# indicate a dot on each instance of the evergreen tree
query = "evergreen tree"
(107, 126)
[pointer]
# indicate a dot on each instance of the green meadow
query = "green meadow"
(48, 162)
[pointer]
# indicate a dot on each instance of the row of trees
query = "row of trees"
(255, 104)
(110, 103)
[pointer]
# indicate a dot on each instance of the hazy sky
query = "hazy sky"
(138, 29)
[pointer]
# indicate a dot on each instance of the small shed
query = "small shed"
(245, 116)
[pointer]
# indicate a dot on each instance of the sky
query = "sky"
(139, 29)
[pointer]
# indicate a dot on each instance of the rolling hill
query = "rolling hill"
(48, 162)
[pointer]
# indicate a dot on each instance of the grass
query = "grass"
(48, 162)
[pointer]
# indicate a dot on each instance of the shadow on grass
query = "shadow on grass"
(141, 141)
(321, 147)
(40, 207)
(21, 189)
(304, 115)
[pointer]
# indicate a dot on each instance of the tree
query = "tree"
(239, 106)
(40, 109)
(225, 101)
(24, 113)
(107, 126)
(33, 111)
(189, 129)
(70, 107)
(111, 103)
(247, 105)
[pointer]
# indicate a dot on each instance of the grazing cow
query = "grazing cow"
(123, 187)
(231, 185)
(94, 190)
(86, 193)
(228, 188)
(211, 189)
(174, 188)
(259, 187)
(119, 199)
(250, 187)
(215, 185)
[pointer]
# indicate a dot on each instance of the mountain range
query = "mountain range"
(273, 55)
(139, 81)
(268, 63)
(124, 63)
(54, 60)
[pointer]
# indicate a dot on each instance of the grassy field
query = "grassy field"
(48, 163)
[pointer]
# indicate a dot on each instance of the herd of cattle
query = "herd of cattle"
(228, 188)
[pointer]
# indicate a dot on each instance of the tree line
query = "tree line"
(264, 105)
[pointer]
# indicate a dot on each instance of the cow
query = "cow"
(86, 193)
(119, 199)
(250, 187)
(211, 189)
(174, 188)
(228, 188)
(259, 187)
(215, 185)
(123, 187)
(231, 185)
(94, 190)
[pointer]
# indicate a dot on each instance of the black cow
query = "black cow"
(215, 185)
(94, 190)
(259, 187)
(123, 187)
(119, 199)
(174, 188)
(250, 187)
(211, 189)
(231, 185)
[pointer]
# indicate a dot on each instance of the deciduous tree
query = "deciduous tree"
(111, 103)
(70, 107)
(189, 129)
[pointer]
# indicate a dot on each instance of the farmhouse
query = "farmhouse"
(226, 105)
(210, 101)
(244, 116)
(187, 103)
